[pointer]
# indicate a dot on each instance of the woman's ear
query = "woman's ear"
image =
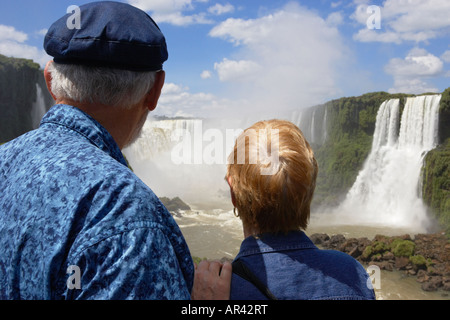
(48, 79)
(233, 198)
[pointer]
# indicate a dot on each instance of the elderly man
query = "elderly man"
(75, 222)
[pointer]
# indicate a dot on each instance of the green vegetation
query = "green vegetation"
(436, 183)
(419, 261)
(377, 248)
(397, 246)
(444, 116)
(402, 248)
(17, 63)
(436, 169)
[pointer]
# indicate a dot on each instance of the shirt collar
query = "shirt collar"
(82, 123)
(273, 243)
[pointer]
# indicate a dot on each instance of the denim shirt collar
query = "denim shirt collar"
(274, 243)
(76, 120)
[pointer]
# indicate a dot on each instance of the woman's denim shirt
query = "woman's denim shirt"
(293, 268)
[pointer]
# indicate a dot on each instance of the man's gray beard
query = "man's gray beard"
(138, 131)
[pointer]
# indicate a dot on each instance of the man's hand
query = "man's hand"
(212, 281)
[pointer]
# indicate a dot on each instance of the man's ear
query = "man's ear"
(48, 79)
(152, 97)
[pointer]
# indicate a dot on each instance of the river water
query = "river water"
(215, 234)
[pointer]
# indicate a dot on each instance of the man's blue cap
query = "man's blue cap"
(111, 34)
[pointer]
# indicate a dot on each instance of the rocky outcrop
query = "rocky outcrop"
(175, 205)
(426, 256)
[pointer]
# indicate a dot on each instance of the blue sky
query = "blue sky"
(264, 56)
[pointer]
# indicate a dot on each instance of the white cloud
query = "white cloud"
(336, 4)
(206, 74)
(289, 58)
(368, 35)
(162, 5)
(42, 32)
(177, 100)
(412, 73)
(10, 33)
(413, 20)
(446, 56)
(230, 70)
(219, 9)
(335, 19)
(178, 19)
(172, 11)
(12, 44)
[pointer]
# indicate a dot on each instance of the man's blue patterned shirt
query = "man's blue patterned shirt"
(69, 199)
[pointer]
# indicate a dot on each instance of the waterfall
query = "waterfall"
(158, 137)
(186, 158)
(312, 133)
(325, 126)
(39, 108)
(313, 123)
(387, 189)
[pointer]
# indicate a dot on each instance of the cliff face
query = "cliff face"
(19, 95)
(436, 169)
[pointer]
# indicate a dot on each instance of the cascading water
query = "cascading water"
(39, 108)
(387, 191)
(313, 122)
(158, 137)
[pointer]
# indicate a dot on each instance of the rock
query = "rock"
(411, 272)
(433, 284)
(355, 252)
(426, 256)
(349, 245)
(422, 276)
(319, 238)
(401, 262)
(446, 285)
(335, 241)
(383, 265)
(174, 205)
(388, 256)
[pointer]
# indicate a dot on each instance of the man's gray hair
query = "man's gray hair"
(107, 86)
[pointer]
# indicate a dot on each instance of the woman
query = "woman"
(277, 260)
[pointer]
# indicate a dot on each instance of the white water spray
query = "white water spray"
(387, 189)
(186, 158)
(38, 109)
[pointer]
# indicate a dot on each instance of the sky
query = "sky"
(264, 57)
